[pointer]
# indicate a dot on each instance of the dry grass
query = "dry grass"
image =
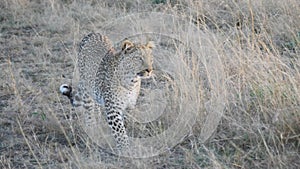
(258, 46)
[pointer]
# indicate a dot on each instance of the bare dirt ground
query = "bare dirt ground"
(261, 123)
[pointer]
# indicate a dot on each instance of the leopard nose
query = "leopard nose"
(148, 70)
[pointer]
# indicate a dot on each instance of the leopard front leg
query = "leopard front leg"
(115, 119)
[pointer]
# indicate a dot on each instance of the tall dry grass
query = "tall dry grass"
(258, 46)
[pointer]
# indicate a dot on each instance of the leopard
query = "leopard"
(110, 78)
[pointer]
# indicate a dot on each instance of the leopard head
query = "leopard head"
(137, 59)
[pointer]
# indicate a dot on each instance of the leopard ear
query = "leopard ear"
(127, 44)
(150, 45)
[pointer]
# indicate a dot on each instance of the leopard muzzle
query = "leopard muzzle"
(145, 73)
